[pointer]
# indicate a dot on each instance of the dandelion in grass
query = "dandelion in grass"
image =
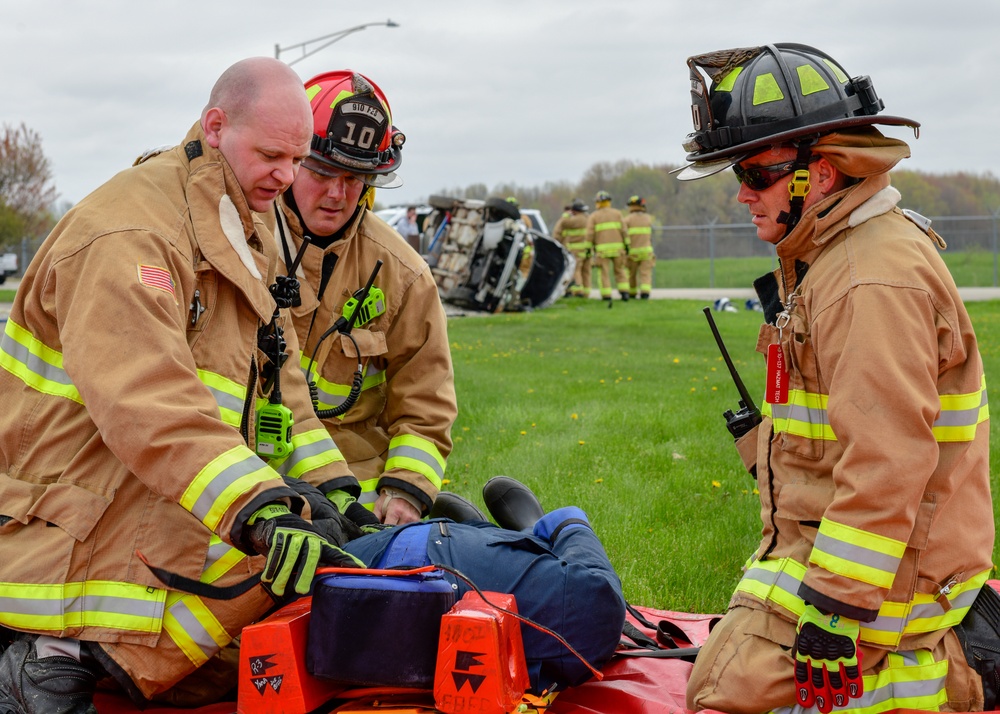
(716, 484)
(573, 416)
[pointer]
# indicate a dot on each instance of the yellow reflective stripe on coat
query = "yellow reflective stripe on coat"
(331, 394)
(92, 603)
(961, 414)
(609, 248)
(608, 226)
(414, 453)
(777, 582)
(188, 621)
(310, 450)
(640, 252)
(222, 481)
(581, 245)
(574, 231)
(909, 680)
(229, 395)
(856, 554)
(805, 415)
(640, 231)
(34, 363)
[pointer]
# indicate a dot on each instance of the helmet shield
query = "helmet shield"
(352, 128)
(769, 95)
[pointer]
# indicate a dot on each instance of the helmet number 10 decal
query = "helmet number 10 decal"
(366, 137)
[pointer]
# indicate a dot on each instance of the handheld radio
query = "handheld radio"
(748, 416)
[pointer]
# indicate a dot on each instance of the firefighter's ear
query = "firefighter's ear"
(827, 178)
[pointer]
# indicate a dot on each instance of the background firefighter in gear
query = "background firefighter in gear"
(127, 434)
(571, 231)
(639, 226)
(396, 437)
(872, 458)
(606, 232)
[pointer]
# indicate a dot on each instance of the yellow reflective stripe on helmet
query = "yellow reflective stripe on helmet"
(222, 481)
(34, 363)
(909, 680)
(193, 628)
(857, 554)
(961, 414)
(777, 581)
(229, 395)
(310, 450)
(810, 80)
(92, 603)
(766, 89)
(608, 226)
(727, 83)
(414, 453)
(837, 71)
(640, 230)
(803, 415)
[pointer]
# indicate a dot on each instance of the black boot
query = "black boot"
(47, 685)
(451, 505)
(511, 503)
(624, 297)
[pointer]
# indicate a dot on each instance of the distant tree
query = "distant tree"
(26, 181)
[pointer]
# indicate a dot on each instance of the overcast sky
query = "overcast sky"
(486, 91)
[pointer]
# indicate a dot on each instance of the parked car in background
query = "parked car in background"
(484, 257)
(8, 266)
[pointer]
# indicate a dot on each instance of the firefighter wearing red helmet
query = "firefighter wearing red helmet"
(639, 225)
(868, 590)
(396, 436)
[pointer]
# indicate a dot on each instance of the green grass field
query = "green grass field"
(619, 411)
(969, 268)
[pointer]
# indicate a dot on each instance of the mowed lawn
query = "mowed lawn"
(619, 411)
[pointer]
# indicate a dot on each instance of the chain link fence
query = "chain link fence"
(974, 235)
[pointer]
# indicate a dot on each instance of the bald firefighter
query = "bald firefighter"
(379, 362)
(606, 232)
(639, 226)
(571, 231)
(132, 373)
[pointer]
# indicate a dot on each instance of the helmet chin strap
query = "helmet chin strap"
(798, 187)
(367, 198)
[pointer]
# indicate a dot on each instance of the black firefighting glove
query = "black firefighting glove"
(347, 504)
(827, 660)
(336, 527)
(294, 549)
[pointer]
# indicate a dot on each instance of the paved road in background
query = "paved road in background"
(710, 295)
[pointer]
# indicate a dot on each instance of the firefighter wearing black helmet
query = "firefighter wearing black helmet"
(571, 231)
(868, 587)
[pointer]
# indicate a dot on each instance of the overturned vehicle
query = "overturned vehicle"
(485, 256)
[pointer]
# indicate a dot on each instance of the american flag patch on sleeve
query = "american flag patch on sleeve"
(158, 278)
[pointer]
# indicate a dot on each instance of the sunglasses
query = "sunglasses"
(758, 178)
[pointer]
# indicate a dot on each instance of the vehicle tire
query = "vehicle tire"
(443, 203)
(3, 278)
(501, 209)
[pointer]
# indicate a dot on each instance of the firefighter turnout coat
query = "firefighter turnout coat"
(398, 434)
(129, 380)
(874, 473)
(571, 231)
(639, 226)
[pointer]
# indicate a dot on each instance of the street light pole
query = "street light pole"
(327, 40)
